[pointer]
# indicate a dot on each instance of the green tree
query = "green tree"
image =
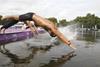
(63, 22)
(54, 20)
(89, 21)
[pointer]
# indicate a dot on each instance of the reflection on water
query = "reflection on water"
(57, 62)
(38, 53)
(16, 61)
(89, 36)
(41, 52)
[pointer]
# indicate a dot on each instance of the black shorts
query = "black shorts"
(8, 23)
(25, 17)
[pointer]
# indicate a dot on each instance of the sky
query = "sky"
(68, 9)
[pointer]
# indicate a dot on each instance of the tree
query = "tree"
(63, 22)
(54, 20)
(89, 21)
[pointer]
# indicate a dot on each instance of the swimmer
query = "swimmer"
(44, 23)
(8, 22)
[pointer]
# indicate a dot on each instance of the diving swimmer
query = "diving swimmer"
(8, 22)
(44, 23)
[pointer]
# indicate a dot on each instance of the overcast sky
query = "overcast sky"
(68, 9)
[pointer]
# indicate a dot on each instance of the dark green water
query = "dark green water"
(40, 52)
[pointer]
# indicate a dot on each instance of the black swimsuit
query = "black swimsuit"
(8, 23)
(25, 17)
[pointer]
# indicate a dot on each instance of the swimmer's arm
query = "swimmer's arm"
(23, 27)
(30, 26)
(62, 38)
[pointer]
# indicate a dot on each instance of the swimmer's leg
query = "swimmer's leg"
(2, 30)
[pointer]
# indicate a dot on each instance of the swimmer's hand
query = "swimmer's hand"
(71, 45)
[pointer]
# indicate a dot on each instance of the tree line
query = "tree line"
(88, 21)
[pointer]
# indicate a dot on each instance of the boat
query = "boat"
(16, 34)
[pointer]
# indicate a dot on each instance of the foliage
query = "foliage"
(53, 19)
(89, 21)
(63, 22)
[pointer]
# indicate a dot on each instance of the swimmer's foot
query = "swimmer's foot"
(71, 45)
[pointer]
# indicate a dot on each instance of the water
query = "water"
(37, 52)
(42, 51)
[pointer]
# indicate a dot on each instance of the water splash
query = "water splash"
(69, 31)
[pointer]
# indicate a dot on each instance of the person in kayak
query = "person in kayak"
(44, 23)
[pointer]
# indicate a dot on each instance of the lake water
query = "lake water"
(41, 51)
